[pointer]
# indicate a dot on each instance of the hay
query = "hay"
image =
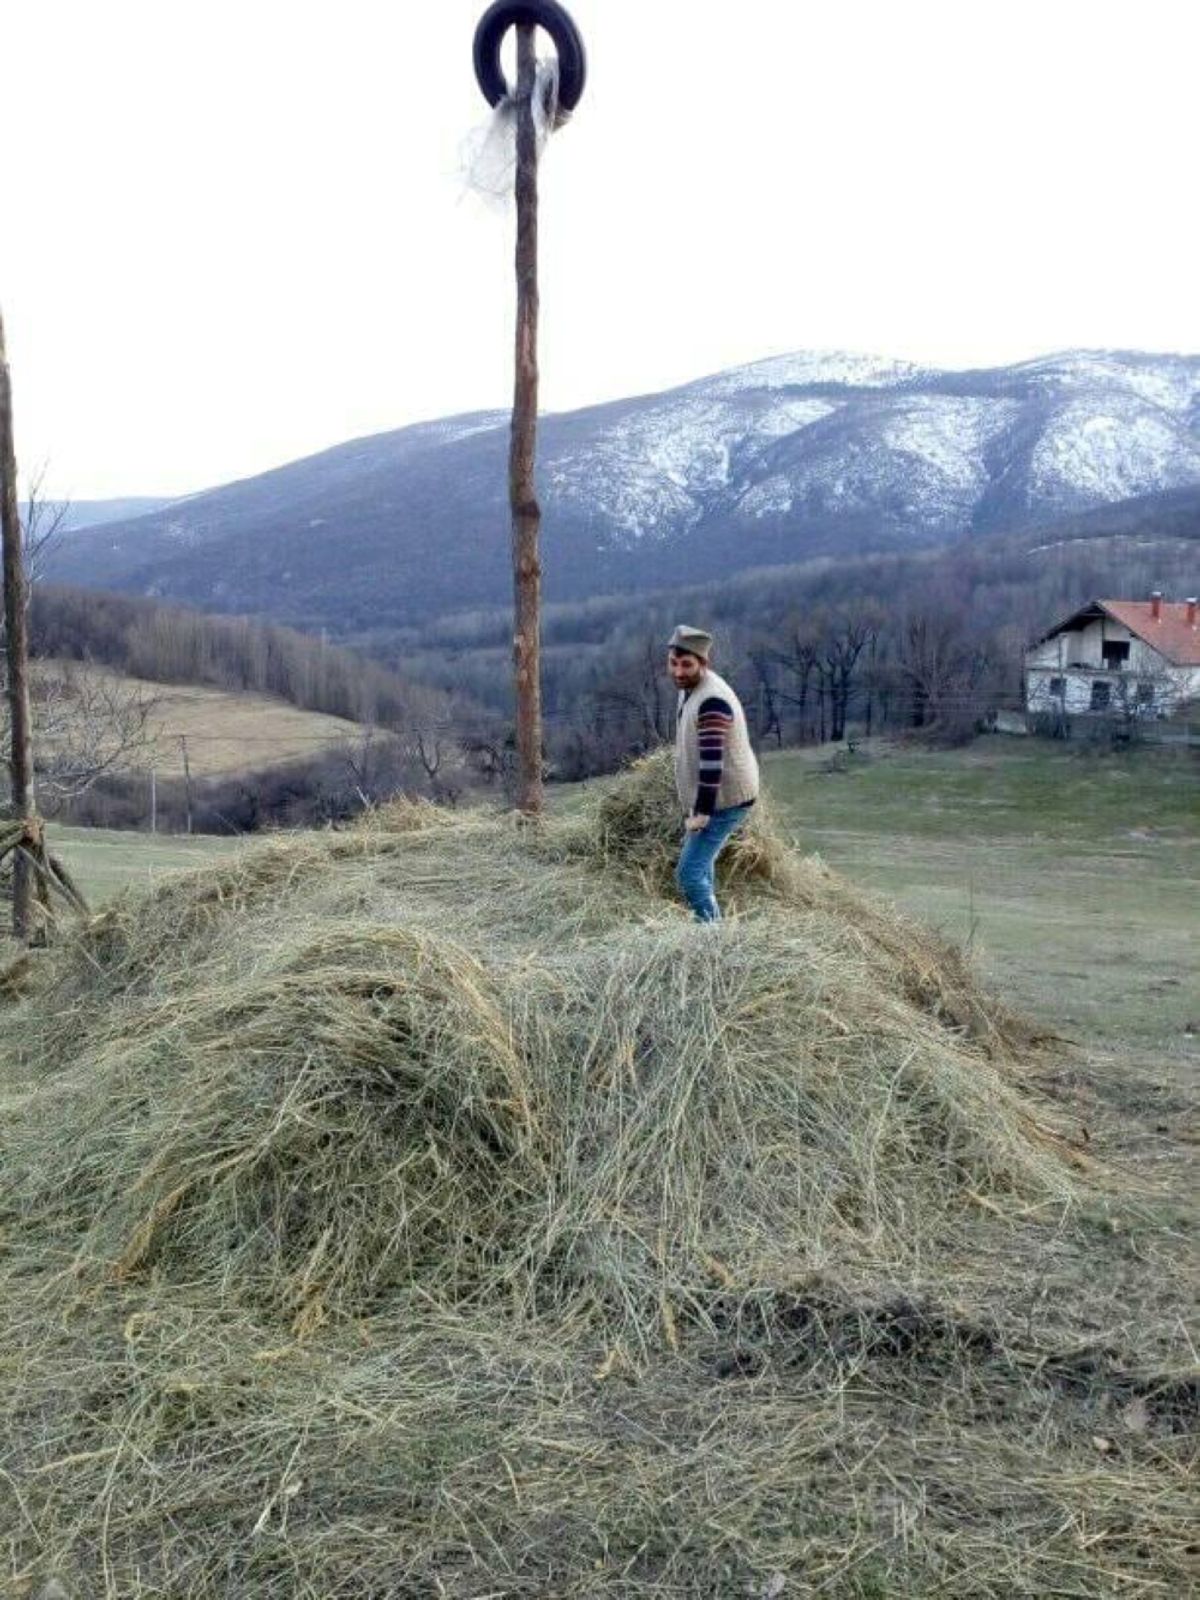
(432, 1208)
(636, 827)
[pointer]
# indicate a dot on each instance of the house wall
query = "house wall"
(1075, 698)
(1084, 647)
(1076, 655)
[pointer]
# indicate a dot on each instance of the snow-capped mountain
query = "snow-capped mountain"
(808, 437)
(800, 455)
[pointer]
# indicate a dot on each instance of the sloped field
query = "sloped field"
(431, 1209)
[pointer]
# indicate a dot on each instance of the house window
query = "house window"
(1145, 694)
(1058, 687)
(1116, 652)
(1101, 695)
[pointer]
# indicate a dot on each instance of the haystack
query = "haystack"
(396, 1212)
(635, 828)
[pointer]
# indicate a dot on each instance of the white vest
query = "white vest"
(739, 772)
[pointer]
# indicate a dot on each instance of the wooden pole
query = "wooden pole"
(526, 513)
(16, 624)
(187, 779)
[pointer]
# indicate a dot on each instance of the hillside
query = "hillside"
(1173, 514)
(773, 463)
(75, 514)
(1125, 548)
(279, 727)
(173, 645)
(226, 731)
(987, 598)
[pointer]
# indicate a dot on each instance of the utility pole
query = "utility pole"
(16, 625)
(153, 800)
(522, 490)
(526, 16)
(187, 779)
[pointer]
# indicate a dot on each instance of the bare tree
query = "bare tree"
(431, 748)
(799, 660)
(640, 688)
(90, 723)
(949, 672)
(42, 525)
(764, 667)
(370, 762)
(492, 755)
(846, 636)
(930, 658)
(1133, 701)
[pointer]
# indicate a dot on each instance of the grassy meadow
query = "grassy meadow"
(227, 731)
(106, 860)
(1071, 876)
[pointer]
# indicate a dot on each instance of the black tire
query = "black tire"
(547, 14)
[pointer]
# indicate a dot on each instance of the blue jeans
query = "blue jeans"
(694, 874)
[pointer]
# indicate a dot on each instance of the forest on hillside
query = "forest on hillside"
(928, 644)
(931, 642)
(96, 730)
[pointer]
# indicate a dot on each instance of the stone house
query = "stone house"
(1117, 658)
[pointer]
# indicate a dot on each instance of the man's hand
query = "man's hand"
(696, 823)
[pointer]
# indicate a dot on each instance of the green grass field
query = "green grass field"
(999, 789)
(1072, 876)
(105, 861)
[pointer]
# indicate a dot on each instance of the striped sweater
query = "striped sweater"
(714, 765)
(714, 723)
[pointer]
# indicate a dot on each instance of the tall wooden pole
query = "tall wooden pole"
(187, 779)
(522, 490)
(16, 625)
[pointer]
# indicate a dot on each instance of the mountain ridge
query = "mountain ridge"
(70, 516)
(797, 455)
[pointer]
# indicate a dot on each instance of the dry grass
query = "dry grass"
(635, 827)
(227, 731)
(432, 1209)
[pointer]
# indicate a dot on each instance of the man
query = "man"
(716, 773)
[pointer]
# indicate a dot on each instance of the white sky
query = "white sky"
(233, 232)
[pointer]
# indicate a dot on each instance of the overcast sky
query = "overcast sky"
(234, 232)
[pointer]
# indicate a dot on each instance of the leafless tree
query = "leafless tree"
(799, 661)
(492, 755)
(952, 676)
(42, 526)
(765, 667)
(846, 636)
(1135, 701)
(641, 689)
(90, 723)
(372, 762)
(431, 748)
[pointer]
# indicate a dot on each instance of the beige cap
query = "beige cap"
(694, 640)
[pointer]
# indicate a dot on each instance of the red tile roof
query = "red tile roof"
(1172, 636)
